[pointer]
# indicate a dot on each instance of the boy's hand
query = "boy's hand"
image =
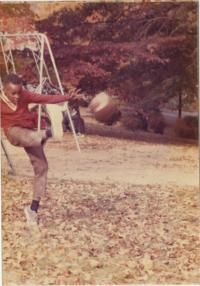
(74, 94)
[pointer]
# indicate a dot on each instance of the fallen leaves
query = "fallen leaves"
(107, 233)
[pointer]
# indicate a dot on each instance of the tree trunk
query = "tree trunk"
(180, 104)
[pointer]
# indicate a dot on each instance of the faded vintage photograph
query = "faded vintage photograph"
(99, 142)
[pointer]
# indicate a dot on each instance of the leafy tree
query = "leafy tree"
(15, 9)
(16, 17)
(146, 53)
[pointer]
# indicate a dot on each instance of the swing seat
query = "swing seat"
(55, 115)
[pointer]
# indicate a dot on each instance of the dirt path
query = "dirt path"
(141, 159)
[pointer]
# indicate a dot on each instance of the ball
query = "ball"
(103, 107)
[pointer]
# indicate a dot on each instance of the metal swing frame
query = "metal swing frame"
(37, 44)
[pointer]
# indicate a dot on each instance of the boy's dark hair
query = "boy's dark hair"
(13, 78)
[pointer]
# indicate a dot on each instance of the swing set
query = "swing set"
(39, 47)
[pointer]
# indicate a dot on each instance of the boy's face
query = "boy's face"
(13, 91)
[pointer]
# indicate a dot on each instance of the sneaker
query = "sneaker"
(31, 216)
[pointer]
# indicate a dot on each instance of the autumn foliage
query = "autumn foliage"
(145, 53)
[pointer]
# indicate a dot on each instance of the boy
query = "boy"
(19, 126)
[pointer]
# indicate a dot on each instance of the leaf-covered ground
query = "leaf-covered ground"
(102, 234)
(122, 211)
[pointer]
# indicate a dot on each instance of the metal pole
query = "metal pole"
(37, 59)
(41, 81)
(1, 85)
(8, 157)
(19, 34)
(8, 58)
(61, 89)
(4, 56)
(12, 61)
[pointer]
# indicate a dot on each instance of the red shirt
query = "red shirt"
(22, 116)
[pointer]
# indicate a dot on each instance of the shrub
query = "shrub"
(191, 121)
(187, 127)
(156, 122)
(134, 122)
